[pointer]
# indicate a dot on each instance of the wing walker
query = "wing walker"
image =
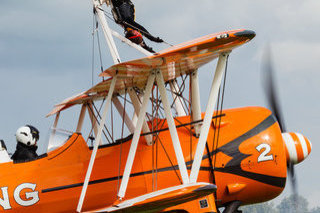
(142, 143)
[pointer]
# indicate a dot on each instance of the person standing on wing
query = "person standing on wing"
(124, 14)
(27, 137)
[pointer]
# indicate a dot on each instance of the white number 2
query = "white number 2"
(264, 155)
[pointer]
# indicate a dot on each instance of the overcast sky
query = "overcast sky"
(46, 56)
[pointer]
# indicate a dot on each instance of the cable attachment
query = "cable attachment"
(167, 43)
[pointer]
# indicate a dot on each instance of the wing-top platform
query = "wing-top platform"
(173, 62)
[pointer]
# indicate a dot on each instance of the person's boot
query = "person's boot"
(147, 47)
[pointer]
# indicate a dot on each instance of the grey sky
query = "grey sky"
(46, 50)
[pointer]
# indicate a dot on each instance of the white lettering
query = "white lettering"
(32, 197)
(5, 203)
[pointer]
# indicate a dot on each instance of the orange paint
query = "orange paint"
(298, 146)
(59, 176)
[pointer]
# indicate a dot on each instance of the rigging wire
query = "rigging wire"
(90, 135)
(157, 143)
(178, 95)
(93, 42)
(174, 167)
(181, 89)
(152, 129)
(159, 125)
(96, 31)
(215, 132)
(97, 122)
(185, 102)
(106, 128)
(220, 112)
(191, 115)
(100, 55)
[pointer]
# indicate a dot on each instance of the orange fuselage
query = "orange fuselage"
(250, 166)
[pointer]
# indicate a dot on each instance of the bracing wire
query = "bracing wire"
(96, 122)
(152, 129)
(220, 111)
(105, 127)
(100, 55)
(93, 42)
(191, 115)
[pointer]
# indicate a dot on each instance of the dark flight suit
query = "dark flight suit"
(24, 153)
(126, 15)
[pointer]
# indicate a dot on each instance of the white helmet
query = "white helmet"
(27, 135)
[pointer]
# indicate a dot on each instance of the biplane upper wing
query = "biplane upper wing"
(173, 62)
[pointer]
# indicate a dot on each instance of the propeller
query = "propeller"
(273, 101)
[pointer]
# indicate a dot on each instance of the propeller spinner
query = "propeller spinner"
(297, 146)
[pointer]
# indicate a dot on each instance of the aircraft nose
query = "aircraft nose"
(249, 34)
(297, 146)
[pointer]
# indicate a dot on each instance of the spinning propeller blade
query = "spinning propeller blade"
(273, 101)
(270, 89)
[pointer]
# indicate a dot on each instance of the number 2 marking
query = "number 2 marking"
(264, 155)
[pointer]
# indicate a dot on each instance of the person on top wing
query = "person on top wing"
(124, 14)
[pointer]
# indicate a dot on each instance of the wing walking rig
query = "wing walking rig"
(143, 74)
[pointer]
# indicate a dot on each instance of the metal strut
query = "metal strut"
(95, 149)
(107, 32)
(208, 116)
(196, 108)
(172, 129)
(137, 133)
(136, 137)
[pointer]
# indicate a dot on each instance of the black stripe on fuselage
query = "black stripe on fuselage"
(267, 179)
(231, 150)
(234, 165)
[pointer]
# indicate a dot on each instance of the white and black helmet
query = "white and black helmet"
(27, 135)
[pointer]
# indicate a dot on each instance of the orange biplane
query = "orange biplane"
(190, 161)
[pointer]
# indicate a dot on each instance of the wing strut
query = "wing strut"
(116, 58)
(172, 128)
(196, 108)
(176, 98)
(96, 145)
(53, 133)
(107, 32)
(208, 116)
(93, 120)
(81, 117)
(123, 114)
(136, 136)
(137, 107)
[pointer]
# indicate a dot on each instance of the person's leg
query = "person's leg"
(134, 25)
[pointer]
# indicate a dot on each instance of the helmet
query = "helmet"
(27, 135)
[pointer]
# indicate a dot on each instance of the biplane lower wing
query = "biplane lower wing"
(173, 62)
(159, 200)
